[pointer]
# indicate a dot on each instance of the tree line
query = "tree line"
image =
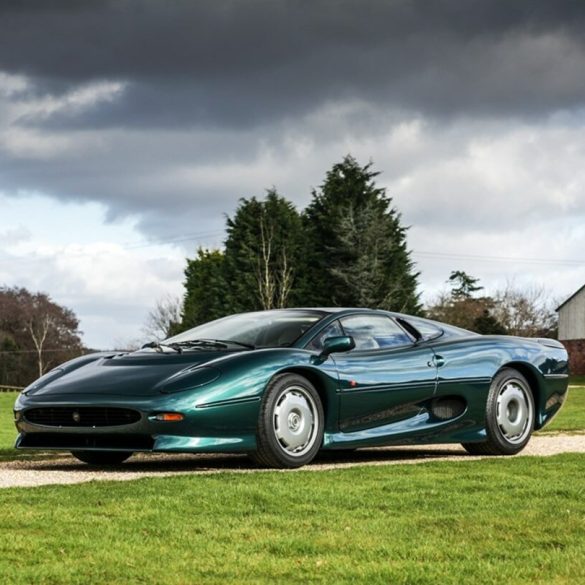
(525, 312)
(346, 248)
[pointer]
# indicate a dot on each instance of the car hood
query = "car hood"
(134, 374)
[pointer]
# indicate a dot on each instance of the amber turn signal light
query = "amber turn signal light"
(169, 416)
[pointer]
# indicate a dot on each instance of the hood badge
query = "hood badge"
(76, 416)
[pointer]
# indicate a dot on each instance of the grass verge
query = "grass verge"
(7, 430)
(495, 521)
(571, 418)
(8, 433)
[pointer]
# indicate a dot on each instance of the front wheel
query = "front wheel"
(102, 457)
(290, 423)
(509, 416)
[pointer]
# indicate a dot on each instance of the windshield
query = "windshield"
(280, 328)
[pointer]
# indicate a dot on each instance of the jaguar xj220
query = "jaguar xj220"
(281, 385)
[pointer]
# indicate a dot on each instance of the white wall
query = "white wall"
(572, 318)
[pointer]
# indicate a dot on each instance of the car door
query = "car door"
(385, 378)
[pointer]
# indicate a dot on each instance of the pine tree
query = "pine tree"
(205, 289)
(263, 250)
(356, 252)
(487, 324)
(463, 285)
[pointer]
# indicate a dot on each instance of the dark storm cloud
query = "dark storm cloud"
(235, 63)
(220, 99)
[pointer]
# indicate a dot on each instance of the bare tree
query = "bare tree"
(166, 314)
(39, 326)
(274, 279)
(524, 312)
(36, 334)
(285, 280)
(265, 278)
(527, 312)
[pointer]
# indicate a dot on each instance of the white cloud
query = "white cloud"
(22, 109)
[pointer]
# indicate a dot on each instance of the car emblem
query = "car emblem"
(76, 416)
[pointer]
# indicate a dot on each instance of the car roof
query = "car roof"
(449, 330)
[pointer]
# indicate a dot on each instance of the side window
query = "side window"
(332, 330)
(426, 329)
(374, 332)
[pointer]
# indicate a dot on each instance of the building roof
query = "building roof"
(570, 298)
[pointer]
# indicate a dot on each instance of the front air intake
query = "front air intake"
(86, 416)
(86, 441)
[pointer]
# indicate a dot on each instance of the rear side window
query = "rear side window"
(426, 329)
(374, 332)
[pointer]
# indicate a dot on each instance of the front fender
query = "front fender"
(244, 377)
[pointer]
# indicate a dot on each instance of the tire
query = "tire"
(510, 416)
(102, 457)
(290, 423)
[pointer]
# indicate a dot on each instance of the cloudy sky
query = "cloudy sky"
(128, 129)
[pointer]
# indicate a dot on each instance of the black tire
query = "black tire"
(510, 415)
(102, 457)
(292, 399)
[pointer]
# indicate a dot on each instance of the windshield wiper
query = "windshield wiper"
(158, 346)
(218, 343)
(234, 342)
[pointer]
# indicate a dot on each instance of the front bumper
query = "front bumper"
(224, 428)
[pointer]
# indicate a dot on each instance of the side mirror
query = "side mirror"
(336, 345)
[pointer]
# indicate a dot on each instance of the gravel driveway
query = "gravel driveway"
(67, 470)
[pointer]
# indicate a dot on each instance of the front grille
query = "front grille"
(83, 441)
(86, 416)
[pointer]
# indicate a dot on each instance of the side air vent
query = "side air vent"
(448, 407)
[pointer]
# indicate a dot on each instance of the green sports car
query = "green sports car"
(282, 385)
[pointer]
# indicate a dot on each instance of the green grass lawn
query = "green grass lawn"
(493, 521)
(572, 415)
(7, 430)
(8, 433)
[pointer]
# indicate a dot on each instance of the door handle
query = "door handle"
(437, 361)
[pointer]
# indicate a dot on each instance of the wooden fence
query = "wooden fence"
(11, 388)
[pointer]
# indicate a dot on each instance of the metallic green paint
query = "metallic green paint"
(370, 397)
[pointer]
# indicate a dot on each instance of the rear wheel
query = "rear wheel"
(509, 416)
(102, 457)
(290, 423)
